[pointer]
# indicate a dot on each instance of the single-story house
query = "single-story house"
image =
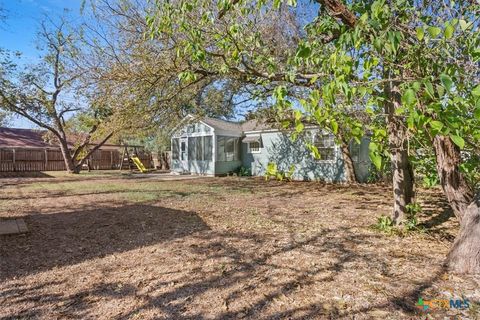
(211, 146)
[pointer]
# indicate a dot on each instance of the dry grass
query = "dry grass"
(122, 247)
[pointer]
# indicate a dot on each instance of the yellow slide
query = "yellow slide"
(139, 164)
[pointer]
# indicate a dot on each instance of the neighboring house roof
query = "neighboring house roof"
(31, 138)
(22, 138)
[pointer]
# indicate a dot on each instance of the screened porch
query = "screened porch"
(197, 149)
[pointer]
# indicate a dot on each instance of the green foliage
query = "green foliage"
(410, 224)
(425, 167)
(471, 170)
(411, 220)
(430, 180)
(243, 172)
(384, 224)
(272, 171)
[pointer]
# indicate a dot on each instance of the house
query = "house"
(212, 147)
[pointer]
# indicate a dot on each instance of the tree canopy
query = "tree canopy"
(411, 66)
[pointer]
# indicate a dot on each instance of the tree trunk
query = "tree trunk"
(455, 187)
(350, 176)
(402, 172)
(464, 257)
(67, 157)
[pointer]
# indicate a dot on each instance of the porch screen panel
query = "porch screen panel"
(199, 148)
(175, 149)
(192, 148)
(207, 148)
(220, 149)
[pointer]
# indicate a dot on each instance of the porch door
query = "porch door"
(184, 153)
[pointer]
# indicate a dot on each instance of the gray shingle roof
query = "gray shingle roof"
(223, 124)
(250, 125)
(255, 125)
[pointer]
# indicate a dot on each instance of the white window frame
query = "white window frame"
(254, 150)
(324, 134)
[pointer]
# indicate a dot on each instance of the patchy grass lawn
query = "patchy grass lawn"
(110, 246)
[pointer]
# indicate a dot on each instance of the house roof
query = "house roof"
(250, 125)
(223, 124)
(247, 127)
(22, 138)
(256, 125)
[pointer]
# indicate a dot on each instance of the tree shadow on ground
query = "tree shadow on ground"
(173, 303)
(25, 174)
(292, 188)
(341, 244)
(126, 190)
(66, 238)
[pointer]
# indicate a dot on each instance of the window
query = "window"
(230, 149)
(227, 149)
(254, 147)
(325, 145)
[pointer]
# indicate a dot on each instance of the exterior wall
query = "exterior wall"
(201, 167)
(224, 167)
(277, 147)
(194, 167)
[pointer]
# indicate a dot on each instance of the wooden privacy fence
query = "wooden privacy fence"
(23, 159)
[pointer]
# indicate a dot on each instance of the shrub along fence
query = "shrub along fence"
(41, 159)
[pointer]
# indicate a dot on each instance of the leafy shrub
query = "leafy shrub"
(273, 172)
(430, 181)
(243, 172)
(384, 224)
(411, 221)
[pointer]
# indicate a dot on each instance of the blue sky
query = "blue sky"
(19, 31)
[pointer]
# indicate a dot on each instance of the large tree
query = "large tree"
(412, 63)
(145, 74)
(51, 91)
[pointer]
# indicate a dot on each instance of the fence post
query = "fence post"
(46, 159)
(14, 169)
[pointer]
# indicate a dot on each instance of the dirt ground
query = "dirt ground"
(125, 247)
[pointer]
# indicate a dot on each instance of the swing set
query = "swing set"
(132, 160)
